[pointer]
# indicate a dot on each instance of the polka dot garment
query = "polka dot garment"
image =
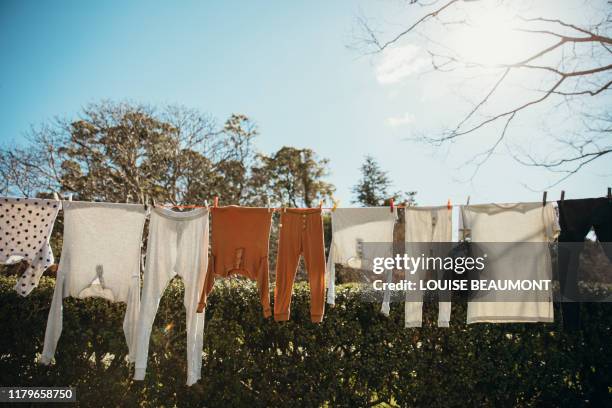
(25, 229)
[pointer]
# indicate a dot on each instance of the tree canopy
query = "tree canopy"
(125, 152)
(293, 177)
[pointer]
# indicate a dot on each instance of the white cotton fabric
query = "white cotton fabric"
(25, 229)
(351, 228)
(101, 254)
(177, 245)
(520, 222)
(424, 225)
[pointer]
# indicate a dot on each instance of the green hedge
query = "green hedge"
(356, 357)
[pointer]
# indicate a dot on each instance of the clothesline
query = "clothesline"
(270, 208)
(391, 205)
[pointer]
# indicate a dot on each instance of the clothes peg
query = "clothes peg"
(544, 199)
(449, 205)
(335, 205)
(70, 197)
(321, 204)
(391, 204)
(610, 194)
(468, 201)
(206, 203)
(151, 203)
(562, 195)
(269, 209)
(56, 197)
(216, 202)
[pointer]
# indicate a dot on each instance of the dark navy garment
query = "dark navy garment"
(576, 218)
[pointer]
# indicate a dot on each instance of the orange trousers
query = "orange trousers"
(301, 233)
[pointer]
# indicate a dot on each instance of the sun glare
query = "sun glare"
(489, 34)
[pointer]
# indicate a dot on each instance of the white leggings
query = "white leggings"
(177, 245)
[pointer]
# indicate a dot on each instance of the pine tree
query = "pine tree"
(372, 190)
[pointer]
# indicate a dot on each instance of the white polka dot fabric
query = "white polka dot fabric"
(25, 229)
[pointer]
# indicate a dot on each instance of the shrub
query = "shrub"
(356, 357)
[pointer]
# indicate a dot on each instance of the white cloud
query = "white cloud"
(399, 62)
(395, 121)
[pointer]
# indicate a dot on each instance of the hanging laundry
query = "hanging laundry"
(177, 245)
(301, 233)
(25, 229)
(526, 225)
(240, 243)
(100, 258)
(576, 218)
(351, 229)
(427, 228)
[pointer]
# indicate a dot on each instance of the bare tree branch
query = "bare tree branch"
(579, 58)
(426, 17)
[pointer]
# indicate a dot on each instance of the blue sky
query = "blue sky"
(284, 64)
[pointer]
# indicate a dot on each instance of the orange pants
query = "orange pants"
(301, 233)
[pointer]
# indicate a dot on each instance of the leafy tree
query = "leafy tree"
(372, 190)
(122, 152)
(292, 177)
(125, 153)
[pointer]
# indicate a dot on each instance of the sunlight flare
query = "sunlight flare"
(489, 35)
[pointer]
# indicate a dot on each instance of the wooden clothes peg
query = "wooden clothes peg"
(216, 202)
(146, 202)
(610, 194)
(449, 204)
(150, 202)
(391, 204)
(335, 205)
(562, 195)
(544, 199)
